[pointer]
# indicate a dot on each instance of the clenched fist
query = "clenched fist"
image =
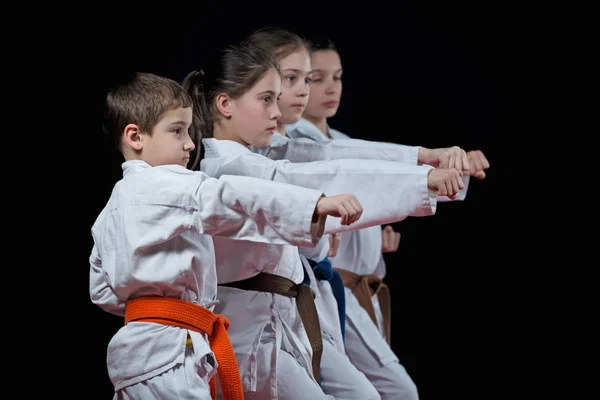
(445, 181)
(346, 206)
(445, 157)
(334, 244)
(477, 164)
(390, 240)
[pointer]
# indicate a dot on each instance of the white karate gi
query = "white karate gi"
(266, 328)
(360, 252)
(152, 238)
(339, 377)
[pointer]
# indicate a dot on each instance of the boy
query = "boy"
(153, 259)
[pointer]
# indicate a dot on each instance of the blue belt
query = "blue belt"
(325, 272)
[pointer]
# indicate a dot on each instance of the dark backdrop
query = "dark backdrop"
(431, 74)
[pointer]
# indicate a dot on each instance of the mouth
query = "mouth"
(300, 106)
(331, 104)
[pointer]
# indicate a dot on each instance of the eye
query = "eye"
(316, 80)
(290, 78)
(307, 80)
(267, 99)
(337, 78)
(177, 130)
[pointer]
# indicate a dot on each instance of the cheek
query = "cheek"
(314, 97)
(284, 100)
(284, 106)
(254, 116)
(250, 115)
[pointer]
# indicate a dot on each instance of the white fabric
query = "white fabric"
(263, 325)
(152, 238)
(360, 251)
(388, 191)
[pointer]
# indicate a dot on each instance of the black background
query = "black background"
(425, 73)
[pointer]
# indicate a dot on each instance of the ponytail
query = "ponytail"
(233, 71)
(202, 125)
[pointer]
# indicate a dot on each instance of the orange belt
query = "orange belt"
(187, 315)
(366, 286)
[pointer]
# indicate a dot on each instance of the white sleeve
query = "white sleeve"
(100, 292)
(305, 150)
(235, 207)
(388, 191)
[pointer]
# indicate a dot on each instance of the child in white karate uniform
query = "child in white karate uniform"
(153, 258)
(360, 252)
(238, 96)
(292, 54)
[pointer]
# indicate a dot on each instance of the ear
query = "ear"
(133, 137)
(224, 105)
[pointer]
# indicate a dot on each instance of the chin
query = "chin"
(263, 143)
(330, 112)
(291, 118)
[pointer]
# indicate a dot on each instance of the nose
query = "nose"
(331, 87)
(189, 144)
(304, 90)
(276, 112)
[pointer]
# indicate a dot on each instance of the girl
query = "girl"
(360, 252)
(275, 345)
(293, 54)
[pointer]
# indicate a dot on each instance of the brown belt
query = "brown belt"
(305, 303)
(188, 315)
(364, 287)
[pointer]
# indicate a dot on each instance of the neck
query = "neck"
(220, 133)
(319, 122)
(281, 128)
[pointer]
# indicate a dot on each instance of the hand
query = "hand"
(334, 244)
(345, 206)
(389, 239)
(445, 157)
(445, 182)
(477, 163)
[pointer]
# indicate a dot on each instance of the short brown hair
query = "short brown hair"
(142, 100)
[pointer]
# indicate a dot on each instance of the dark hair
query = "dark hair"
(279, 42)
(141, 100)
(321, 43)
(233, 71)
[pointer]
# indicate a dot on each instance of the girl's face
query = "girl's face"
(325, 85)
(295, 85)
(254, 115)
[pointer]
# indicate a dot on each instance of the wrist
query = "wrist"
(423, 155)
(316, 215)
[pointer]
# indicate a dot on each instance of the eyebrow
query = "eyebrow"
(272, 93)
(180, 122)
(323, 70)
(296, 70)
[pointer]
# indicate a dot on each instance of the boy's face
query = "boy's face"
(296, 73)
(170, 142)
(254, 114)
(325, 85)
